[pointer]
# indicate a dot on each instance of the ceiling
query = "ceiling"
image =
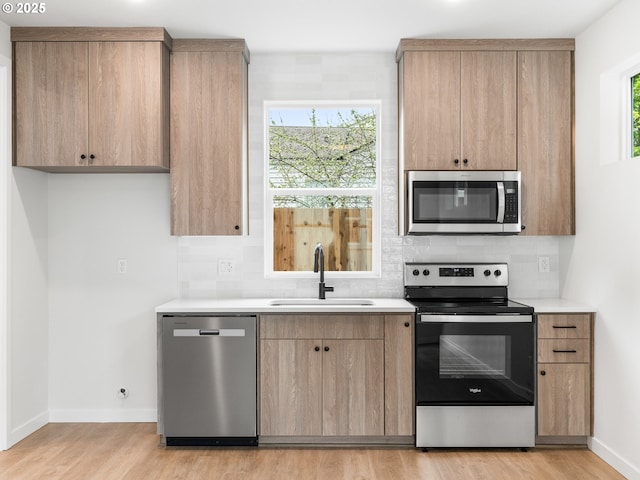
(327, 25)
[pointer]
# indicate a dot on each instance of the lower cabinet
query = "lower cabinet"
(564, 378)
(325, 376)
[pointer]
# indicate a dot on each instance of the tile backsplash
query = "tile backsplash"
(344, 76)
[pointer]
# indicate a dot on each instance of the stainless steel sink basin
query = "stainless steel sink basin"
(282, 302)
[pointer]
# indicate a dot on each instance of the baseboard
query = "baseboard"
(616, 461)
(338, 441)
(27, 428)
(104, 416)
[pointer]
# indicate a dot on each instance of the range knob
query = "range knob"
(426, 272)
(497, 273)
(416, 272)
(487, 273)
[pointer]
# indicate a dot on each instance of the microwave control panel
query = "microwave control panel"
(510, 202)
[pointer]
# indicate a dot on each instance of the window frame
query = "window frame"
(616, 142)
(374, 192)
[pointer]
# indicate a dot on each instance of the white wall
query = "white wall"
(23, 321)
(102, 325)
(603, 261)
(345, 76)
(28, 290)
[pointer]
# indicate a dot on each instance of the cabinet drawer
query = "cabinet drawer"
(564, 326)
(327, 326)
(564, 350)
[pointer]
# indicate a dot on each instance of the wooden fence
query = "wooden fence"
(345, 234)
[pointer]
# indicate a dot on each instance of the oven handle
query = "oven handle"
(501, 202)
(431, 318)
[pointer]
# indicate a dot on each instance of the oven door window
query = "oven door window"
(455, 202)
(475, 356)
(474, 364)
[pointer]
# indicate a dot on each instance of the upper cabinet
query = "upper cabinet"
(457, 108)
(493, 105)
(545, 141)
(209, 137)
(91, 99)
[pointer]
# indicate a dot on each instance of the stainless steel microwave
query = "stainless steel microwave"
(465, 202)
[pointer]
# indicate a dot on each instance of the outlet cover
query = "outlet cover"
(544, 265)
(123, 266)
(226, 267)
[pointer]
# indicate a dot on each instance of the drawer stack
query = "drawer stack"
(564, 375)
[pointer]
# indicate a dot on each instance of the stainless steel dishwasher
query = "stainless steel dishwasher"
(207, 384)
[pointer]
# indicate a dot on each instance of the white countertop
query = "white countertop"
(273, 305)
(555, 305)
(337, 305)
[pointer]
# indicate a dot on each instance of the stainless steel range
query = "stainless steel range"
(474, 357)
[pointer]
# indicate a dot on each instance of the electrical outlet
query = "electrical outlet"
(226, 267)
(123, 266)
(544, 265)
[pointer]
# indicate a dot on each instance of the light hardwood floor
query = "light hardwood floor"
(131, 451)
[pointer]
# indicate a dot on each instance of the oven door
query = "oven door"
(474, 359)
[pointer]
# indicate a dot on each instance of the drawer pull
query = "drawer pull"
(565, 351)
(565, 326)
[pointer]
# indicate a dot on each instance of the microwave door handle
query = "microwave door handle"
(501, 198)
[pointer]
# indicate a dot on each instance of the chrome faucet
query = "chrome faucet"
(318, 265)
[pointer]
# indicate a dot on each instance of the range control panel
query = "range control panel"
(418, 274)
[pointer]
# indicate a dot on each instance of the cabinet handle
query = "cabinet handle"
(543, 373)
(237, 227)
(565, 326)
(565, 351)
(465, 161)
(326, 349)
(456, 161)
(317, 349)
(407, 324)
(83, 156)
(92, 156)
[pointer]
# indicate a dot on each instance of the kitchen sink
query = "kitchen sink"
(281, 302)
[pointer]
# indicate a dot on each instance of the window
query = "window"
(322, 187)
(620, 112)
(635, 115)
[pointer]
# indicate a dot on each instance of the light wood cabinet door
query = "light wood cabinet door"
(90, 106)
(398, 375)
(208, 142)
(545, 141)
(51, 104)
(316, 388)
(291, 387)
(564, 399)
(458, 110)
(353, 387)
(430, 110)
(488, 116)
(128, 114)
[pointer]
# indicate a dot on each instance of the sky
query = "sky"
(299, 116)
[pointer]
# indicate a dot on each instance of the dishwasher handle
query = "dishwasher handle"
(210, 332)
(198, 332)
